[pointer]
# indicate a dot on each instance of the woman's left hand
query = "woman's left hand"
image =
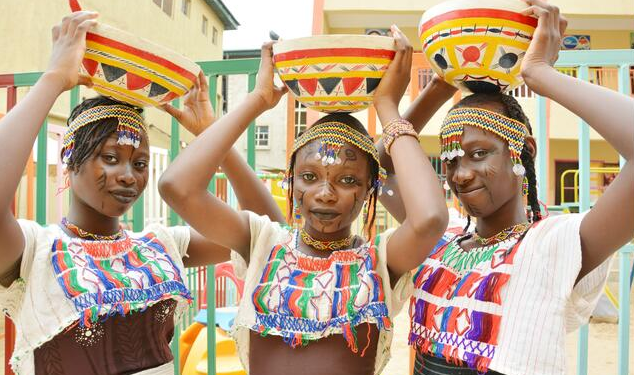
(395, 80)
(546, 44)
(197, 113)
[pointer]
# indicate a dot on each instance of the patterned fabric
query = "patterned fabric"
(304, 298)
(127, 281)
(65, 283)
(505, 308)
(284, 285)
(456, 307)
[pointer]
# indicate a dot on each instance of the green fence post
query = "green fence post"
(251, 130)
(138, 214)
(211, 320)
(74, 97)
(42, 174)
(584, 205)
(211, 306)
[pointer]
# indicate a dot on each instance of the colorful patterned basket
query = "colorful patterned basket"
(134, 70)
(477, 45)
(333, 73)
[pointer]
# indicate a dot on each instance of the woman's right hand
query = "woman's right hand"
(69, 46)
(265, 89)
(394, 82)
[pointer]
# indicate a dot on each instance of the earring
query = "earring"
(519, 170)
(525, 186)
(445, 186)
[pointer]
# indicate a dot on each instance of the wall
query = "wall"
(272, 157)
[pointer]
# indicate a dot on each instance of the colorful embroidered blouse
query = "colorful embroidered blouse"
(68, 281)
(505, 307)
(303, 298)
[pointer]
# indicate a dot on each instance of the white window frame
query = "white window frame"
(186, 7)
(300, 125)
(205, 25)
(262, 136)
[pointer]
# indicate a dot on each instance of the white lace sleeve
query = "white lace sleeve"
(11, 297)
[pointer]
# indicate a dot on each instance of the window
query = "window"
(186, 7)
(214, 36)
(300, 118)
(262, 135)
(166, 5)
(204, 29)
(424, 77)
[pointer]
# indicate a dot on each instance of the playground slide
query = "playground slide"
(193, 346)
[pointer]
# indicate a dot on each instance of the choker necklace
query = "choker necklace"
(326, 245)
(91, 236)
(502, 235)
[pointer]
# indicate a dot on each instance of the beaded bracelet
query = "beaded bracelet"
(394, 129)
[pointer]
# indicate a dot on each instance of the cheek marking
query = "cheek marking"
(300, 200)
(101, 180)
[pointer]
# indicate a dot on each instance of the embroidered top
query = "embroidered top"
(505, 307)
(69, 281)
(303, 298)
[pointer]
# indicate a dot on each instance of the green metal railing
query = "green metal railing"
(580, 60)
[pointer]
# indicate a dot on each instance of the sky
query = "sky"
(288, 18)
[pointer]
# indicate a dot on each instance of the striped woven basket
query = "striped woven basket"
(477, 45)
(134, 70)
(333, 73)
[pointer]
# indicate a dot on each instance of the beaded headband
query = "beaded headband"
(333, 136)
(512, 131)
(128, 131)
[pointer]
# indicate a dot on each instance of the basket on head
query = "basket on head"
(134, 70)
(333, 73)
(477, 45)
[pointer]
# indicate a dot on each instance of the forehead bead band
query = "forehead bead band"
(512, 131)
(333, 136)
(129, 128)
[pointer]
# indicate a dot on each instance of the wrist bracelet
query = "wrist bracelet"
(396, 128)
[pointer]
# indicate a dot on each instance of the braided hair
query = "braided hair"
(353, 123)
(512, 109)
(91, 138)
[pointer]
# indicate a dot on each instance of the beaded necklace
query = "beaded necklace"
(503, 235)
(326, 245)
(91, 236)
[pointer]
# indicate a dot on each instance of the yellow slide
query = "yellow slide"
(193, 343)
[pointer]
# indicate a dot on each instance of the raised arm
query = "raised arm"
(610, 223)
(184, 184)
(421, 110)
(426, 213)
(19, 128)
(196, 116)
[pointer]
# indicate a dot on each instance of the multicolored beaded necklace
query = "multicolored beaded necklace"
(503, 235)
(91, 236)
(343, 243)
